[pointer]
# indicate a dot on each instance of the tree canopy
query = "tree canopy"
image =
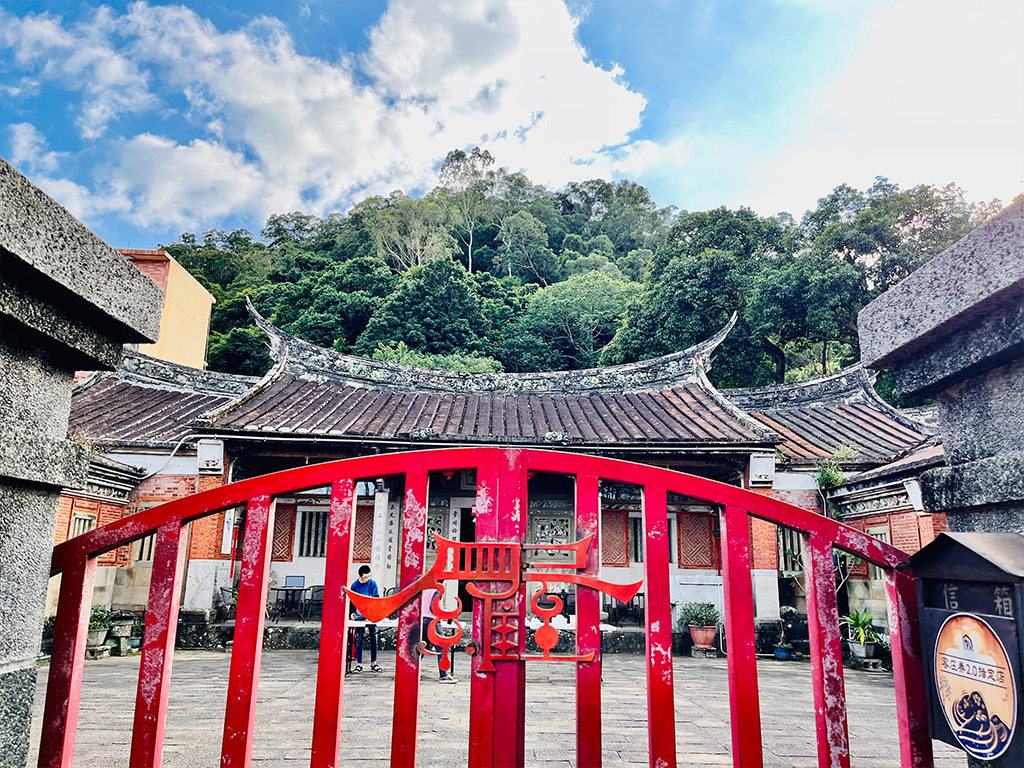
(490, 271)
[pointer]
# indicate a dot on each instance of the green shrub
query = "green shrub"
(99, 618)
(861, 626)
(698, 615)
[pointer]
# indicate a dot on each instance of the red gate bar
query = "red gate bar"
(661, 709)
(744, 705)
(908, 670)
(502, 517)
(407, 664)
(330, 676)
(67, 658)
(247, 651)
(510, 677)
(826, 652)
(588, 629)
(158, 646)
(481, 694)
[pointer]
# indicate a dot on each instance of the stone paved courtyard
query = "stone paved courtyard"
(287, 687)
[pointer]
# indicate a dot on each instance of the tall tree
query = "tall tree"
(464, 178)
(406, 232)
(433, 310)
(524, 249)
(576, 318)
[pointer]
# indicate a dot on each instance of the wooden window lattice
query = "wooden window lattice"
(284, 533)
(615, 538)
(362, 544)
(696, 541)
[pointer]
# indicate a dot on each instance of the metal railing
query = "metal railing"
(497, 710)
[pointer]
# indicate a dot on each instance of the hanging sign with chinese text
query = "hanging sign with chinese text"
(975, 685)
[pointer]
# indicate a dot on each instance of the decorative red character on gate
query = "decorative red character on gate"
(496, 563)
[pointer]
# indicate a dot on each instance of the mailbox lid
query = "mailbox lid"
(971, 557)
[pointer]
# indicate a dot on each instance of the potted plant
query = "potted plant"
(99, 625)
(121, 626)
(138, 627)
(702, 620)
(783, 649)
(862, 633)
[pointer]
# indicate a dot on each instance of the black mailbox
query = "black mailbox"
(972, 626)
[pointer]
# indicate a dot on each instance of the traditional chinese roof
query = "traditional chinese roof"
(148, 402)
(838, 413)
(913, 462)
(315, 392)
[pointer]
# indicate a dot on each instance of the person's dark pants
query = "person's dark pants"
(360, 631)
(431, 646)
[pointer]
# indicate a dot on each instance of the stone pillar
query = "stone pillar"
(68, 301)
(954, 331)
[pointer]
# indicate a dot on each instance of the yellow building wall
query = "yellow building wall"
(185, 322)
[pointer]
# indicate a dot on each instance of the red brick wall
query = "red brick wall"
(154, 270)
(764, 540)
(105, 512)
(907, 531)
(807, 498)
(206, 532)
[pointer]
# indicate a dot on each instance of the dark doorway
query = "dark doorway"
(467, 534)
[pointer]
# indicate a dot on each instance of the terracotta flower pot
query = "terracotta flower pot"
(703, 637)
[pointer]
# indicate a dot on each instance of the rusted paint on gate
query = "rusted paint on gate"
(330, 676)
(247, 651)
(744, 706)
(588, 630)
(407, 665)
(661, 710)
(497, 712)
(158, 646)
(826, 645)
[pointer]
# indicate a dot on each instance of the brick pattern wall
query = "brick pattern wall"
(808, 498)
(284, 533)
(696, 541)
(104, 511)
(907, 531)
(154, 270)
(764, 540)
(206, 532)
(362, 544)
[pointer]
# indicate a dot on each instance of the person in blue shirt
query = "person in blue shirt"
(364, 585)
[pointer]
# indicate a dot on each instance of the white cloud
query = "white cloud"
(29, 149)
(934, 96)
(180, 185)
(285, 131)
(81, 57)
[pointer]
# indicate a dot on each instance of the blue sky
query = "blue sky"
(148, 119)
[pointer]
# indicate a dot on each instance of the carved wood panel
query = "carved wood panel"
(696, 541)
(284, 533)
(615, 538)
(362, 539)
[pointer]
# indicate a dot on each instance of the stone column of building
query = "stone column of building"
(68, 301)
(954, 330)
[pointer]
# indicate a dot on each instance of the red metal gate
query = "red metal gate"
(497, 708)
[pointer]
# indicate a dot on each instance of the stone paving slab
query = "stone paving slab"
(287, 689)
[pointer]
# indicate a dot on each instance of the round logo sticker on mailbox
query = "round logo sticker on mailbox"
(975, 685)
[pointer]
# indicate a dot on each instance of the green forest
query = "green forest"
(490, 272)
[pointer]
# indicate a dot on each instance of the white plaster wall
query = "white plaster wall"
(869, 595)
(151, 462)
(202, 580)
(794, 481)
(766, 593)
